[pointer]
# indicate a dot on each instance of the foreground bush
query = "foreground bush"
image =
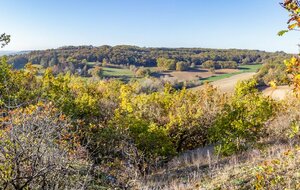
(241, 123)
(39, 152)
(180, 118)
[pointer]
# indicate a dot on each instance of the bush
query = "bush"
(209, 64)
(193, 65)
(166, 64)
(142, 72)
(272, 71)
(182, 66)
(241, 123)
(183, 116)
(96, 72)
(227, 64)
(39, 151)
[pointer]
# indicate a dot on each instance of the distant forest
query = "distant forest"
(77, 59)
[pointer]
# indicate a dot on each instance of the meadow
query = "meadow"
(197, 74)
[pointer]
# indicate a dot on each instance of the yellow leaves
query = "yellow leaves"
(125, 96)
(31, 69)
(85, 99)
(293, 60)
(273, 84)
(293, 69)
(62, 117)
(288, 153)
(293, 65)
(293, 8)
(292, 26)
(30, 109)
(153, 128)
(275, 162)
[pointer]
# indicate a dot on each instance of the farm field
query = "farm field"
(240, 70)
(227, 77)
(119, 73)
(227, 84)
(195, 74)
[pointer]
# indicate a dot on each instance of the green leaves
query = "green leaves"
(242, 120)
(4, 39)
(282, 32)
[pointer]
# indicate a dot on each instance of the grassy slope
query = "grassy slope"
(117, 72)
(243, 69)
(122, 74)
(276, 167)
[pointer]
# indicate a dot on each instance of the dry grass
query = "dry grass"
(228, 84)
(236, 172)
(280, 93)
(274, 165)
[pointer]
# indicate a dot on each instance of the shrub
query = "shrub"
(182, 66)
(39, 151)
(166, 64)
(209, 64)
(241, 123)
(228, 64)
(142, 72)
(272, 71)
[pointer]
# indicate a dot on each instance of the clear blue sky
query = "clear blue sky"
(247, 24)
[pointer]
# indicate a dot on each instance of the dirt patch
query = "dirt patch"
(228, 84)
(280, 93)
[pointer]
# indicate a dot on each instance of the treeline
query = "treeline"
(76, 59)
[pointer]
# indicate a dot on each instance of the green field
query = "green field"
(250, 68)
(126, 74)
(119, 73)
(242, 68)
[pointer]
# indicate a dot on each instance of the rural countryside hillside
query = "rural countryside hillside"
(177, 111)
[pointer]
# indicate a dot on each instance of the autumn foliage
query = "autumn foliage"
(293, 65)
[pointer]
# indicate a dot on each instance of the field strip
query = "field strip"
(228, 84)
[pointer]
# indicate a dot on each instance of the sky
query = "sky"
(242, 24)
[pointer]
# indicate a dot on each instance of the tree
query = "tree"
(166, 64)
(142, 72)
(182, 66)
(96, 72)
(37, 151)
(124, 55)
(53, 61)
(293, 65)
(44, 62)
(84, 61)
(209, 64)
(241, 122)
(104, 62)
(71, 60)
(246, 61)
(84, 71)
(193, 65)
(4, 39)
